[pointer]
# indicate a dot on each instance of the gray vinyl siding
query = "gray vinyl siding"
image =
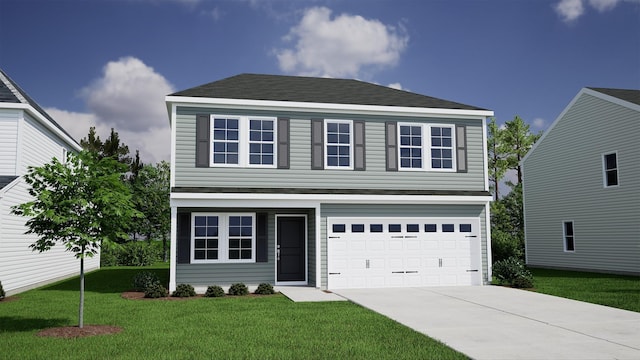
(399, 210)
(563, 181)
(248, 273)
(300, 174)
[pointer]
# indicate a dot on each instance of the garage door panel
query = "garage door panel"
(379, 252)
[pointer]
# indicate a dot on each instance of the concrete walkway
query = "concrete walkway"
(307, 294)
(491, 322)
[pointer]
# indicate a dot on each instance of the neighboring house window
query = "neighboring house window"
(338, 144)
(610, 164)
(243, 141)
(64, 156)
(569, 244)
(426, 147)
(223, 238)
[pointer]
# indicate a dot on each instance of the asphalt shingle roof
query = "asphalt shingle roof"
(315, 90)
(632, 96)
(7, 96)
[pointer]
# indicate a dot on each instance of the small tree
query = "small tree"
(519, 140)
(82, 204)
(497, 155)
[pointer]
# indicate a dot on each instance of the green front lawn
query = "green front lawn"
(617, 291)
(270, 327)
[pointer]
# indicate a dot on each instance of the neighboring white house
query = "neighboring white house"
(28, 137)
(582, 186)
(328, 183)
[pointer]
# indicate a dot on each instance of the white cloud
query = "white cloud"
(539, 123)
(570, 10)
(396, 86)
(129, 97)
(340, 46)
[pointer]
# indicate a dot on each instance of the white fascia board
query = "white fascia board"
(327, 107)
(44, 121)
(312, 200)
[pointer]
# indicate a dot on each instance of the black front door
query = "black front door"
(290, 249)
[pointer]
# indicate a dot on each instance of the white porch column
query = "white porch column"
(174, 247)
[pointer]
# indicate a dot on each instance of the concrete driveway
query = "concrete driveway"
(492, 322)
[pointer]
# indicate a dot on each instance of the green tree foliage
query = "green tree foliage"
(518, 140)
(507, 226)
(81, 203)
(497, 155)
(151, 197)
(111, 147)
(507, 146)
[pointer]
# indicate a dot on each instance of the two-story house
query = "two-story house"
(329, 183)
(581, 186)
(28, 137)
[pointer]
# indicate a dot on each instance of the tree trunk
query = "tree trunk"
(164, 247)
(81, 310)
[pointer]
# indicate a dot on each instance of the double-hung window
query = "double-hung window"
(223, 237)
(244, 141)
(426, 147)
(610, 168)
(567, 232)
(338, 144)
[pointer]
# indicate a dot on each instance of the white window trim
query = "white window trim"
(564, 236)
(326, 144)
(223, 239)
(426, 147)
(244, 140)
(604, 169)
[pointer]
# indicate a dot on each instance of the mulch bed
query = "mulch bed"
(9, 299)
(135, 295)
(70, 332)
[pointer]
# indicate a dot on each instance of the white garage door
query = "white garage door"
(403, 252)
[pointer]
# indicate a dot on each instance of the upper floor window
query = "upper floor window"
(610, 166)
(338, 144)
(426, 147)
(243, 141)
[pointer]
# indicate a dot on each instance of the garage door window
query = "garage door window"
(448, 228)
(339, 228)
(465, 227)
(375, 228)
(395, 228)
(413, 228)
(430, 228)
(357, 228)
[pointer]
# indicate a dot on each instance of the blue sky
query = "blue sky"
(109, 63)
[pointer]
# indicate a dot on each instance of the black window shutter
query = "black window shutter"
(184, 238)
(391, 145)
(262, 238)
(202, 140)
(461, 148)
(317, 144)
(359, 153)
(283, 143)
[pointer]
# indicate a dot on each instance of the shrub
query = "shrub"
(512, 272)
(109, 256)
(145, 279)
(184, 290)
(238, 289)
(264, 289)
(2, 293)
(505, 245)
(138, 253)
(214, 291)
(155, 291)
